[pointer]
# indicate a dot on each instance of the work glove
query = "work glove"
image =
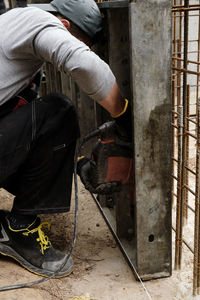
(123, 123)
(86, 169)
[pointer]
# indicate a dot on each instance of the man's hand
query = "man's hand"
(86, 169)
(123, 122)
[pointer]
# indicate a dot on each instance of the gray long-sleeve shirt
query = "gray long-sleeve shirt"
(29, 37)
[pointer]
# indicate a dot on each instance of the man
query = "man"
(38, 135)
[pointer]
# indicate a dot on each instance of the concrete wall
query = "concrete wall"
(150, 22)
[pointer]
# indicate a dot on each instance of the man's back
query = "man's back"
(19, 62)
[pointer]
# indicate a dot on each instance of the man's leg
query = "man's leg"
(37, 166)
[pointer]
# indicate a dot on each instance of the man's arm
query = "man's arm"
(66, 53)
(90, 72)
(114, 102)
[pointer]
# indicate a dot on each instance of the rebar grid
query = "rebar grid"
(186, 128)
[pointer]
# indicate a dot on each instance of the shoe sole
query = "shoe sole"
(8, 251)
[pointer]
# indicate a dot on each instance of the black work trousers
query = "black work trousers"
(37, 145)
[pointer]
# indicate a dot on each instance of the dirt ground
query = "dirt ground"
(100, 271)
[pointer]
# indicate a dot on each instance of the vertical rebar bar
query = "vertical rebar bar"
(173, 136)
(182, 150)
(196, 225)
(174, 32)
(197, 211)
(185, 55)
(179, 49)
(196, 267)
(186, 153)
(174, 96)
(198, 58)
(179, 73)
(179, 206)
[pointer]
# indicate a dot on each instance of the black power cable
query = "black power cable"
(101, 130)
(29, 284)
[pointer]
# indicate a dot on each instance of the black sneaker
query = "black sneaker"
(32, 248)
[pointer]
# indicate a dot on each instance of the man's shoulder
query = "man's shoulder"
(22, 26)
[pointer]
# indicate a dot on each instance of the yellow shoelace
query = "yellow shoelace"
(42, 239)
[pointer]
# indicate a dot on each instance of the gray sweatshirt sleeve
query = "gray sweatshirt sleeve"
(66, 53)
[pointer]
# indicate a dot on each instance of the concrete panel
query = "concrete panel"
(150, 23)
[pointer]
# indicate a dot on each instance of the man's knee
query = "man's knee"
(59, 101)
(59, 112)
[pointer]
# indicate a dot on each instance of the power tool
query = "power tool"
(112, 155)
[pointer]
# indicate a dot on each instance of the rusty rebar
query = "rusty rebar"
(190, 170)
(183, 179)
(196, 224)
(197, 235)
(197, 210)
(192, 121)
(184, 9)
(186, 153)
(186, 243)
(179, 66)
(186, 71)
(179, 206)
(174, 35)
(173, 140)
(183, 202)
(189, 61)
(189, 190)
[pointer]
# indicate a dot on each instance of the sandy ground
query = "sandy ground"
(100, 272)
